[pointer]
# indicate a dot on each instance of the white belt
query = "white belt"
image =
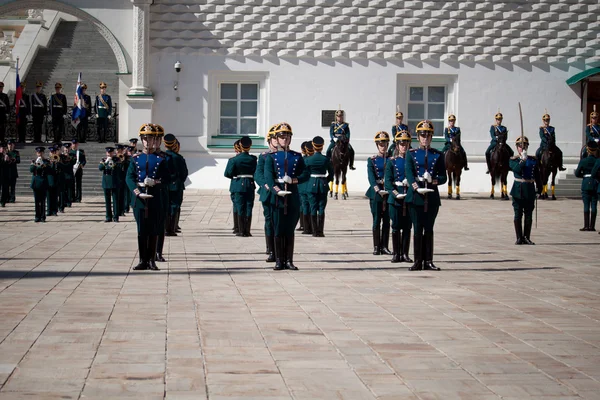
(37, 105)
(280, 180)
(55, 106)
(318, 175)
(399, 183)
(524, 180)
(420, 179)
(379, 181)
(587, 176)
(244, 176)
(141, 184)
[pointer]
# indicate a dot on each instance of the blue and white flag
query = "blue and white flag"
(78, 107)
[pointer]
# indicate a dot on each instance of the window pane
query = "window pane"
(438, 128)
(228, 126)
(435, 111)
(412, 125)
(229, 109)
(228, 90)
(416, 111)
(249, 108)
(249, 91)
(248, 127)
(416, 94)
(436, 94)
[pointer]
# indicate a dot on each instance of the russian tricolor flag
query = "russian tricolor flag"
(18, 94)
(78, 109)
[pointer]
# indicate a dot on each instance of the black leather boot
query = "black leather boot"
(152, 242)
(247, 226)
(397, 257)
(428, 243)
(241, 226)
(160, 242)
(418, 243)
(593, 221)
(385, 239)
(177, 214)
(270, 249)
(301, 220)
(142, 248)
(289, 253)
(376, 241)
(279, 256)
(527, 231)
(406, 245)
(314, 221)
(518, 231)
(321, 225)
(309, 226)
(236, 228)
(170, 225)
(586, 221)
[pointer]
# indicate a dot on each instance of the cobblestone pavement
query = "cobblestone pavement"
(498, 322)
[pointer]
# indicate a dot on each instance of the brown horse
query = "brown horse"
(455, 163)
(549, 163)
(499, 166)
(340, 157)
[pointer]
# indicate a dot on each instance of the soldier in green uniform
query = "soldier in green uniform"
(284, 170)
(131, 150)
(162, 191)
(264, 192)
(596, 173)
(396, 185)
(592, 131)
(179, 172)
(4, 168)
(425, 170)
(23, 115)
(523, 192)
(589, 187)
(338, 129)
(305, 221)
(378, 196)
(82, 127)
(110, 184)
(14, 159)
(39, 183)
(236, 228)
(398, 127)
(133, 143)
(39, 110)
(103, 109)
(177, 150)
(79, 156)
(548, 136)
(241, 172)
(53, 181)
(320, 170)
(146, 173)
(495, 131)
(122, 166)
(452, 133)
(68, 176)
(58, 111)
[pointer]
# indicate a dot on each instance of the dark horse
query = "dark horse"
(455, 163)
(549, 163)
(340, 156)
(499, 165)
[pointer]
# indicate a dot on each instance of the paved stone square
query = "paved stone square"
(498, 322)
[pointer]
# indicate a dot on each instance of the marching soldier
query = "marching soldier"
(163, 193)
(53, 182)
(39, 110)
(589, 187)
(79, 156)
(14, 158)
(305, 222)
(495, 131)
(39, 169)
(283, 172)
(4, 111)
(177, 150)
(133, 143)
(241, 172)
(23, 114)
(548, 134)
(103, 110)
(122, 167)
(146, 172)
(264, 192)
(523, 192)
(592, 131)
(68, 177)
(4, 171)
(236, 228)
(396, 185)
(398, 127)
(179, 172)
(82, 127)
(110, 184)
(320, 170)
(127, 197)
(377, 195)
(425, 170)
(338, 129)
(453, 133)
(58, 110)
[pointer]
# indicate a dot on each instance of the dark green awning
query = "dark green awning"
(582, 75)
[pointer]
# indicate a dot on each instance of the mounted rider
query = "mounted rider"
(338, 129)
(592, 131)
(495, 131)
(398, 127)
(452, 133)
(548, 135)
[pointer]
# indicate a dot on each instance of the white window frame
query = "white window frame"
(216, 78)
(425, 102)
(406, 81)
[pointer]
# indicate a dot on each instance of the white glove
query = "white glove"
(96, 115)
(38, 160)
(145, 196)
(283, 193)
(149, 182)
(29, 118)
(401, 196)
(110, 117)
(287, 179)
(382, 193)
(524, 155)
(65, 116)
(405, 182)
(596, 140)
(427, 176)
(335, 139)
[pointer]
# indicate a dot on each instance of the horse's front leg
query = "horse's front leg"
(449, 183)
(457, 183)
(493, 177)
(553, 184)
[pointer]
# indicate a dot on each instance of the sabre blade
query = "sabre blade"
(521, 116)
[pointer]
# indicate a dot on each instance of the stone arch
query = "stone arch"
(15, 5)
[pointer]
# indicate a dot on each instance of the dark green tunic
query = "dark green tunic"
(320, 171)
(241, 171)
